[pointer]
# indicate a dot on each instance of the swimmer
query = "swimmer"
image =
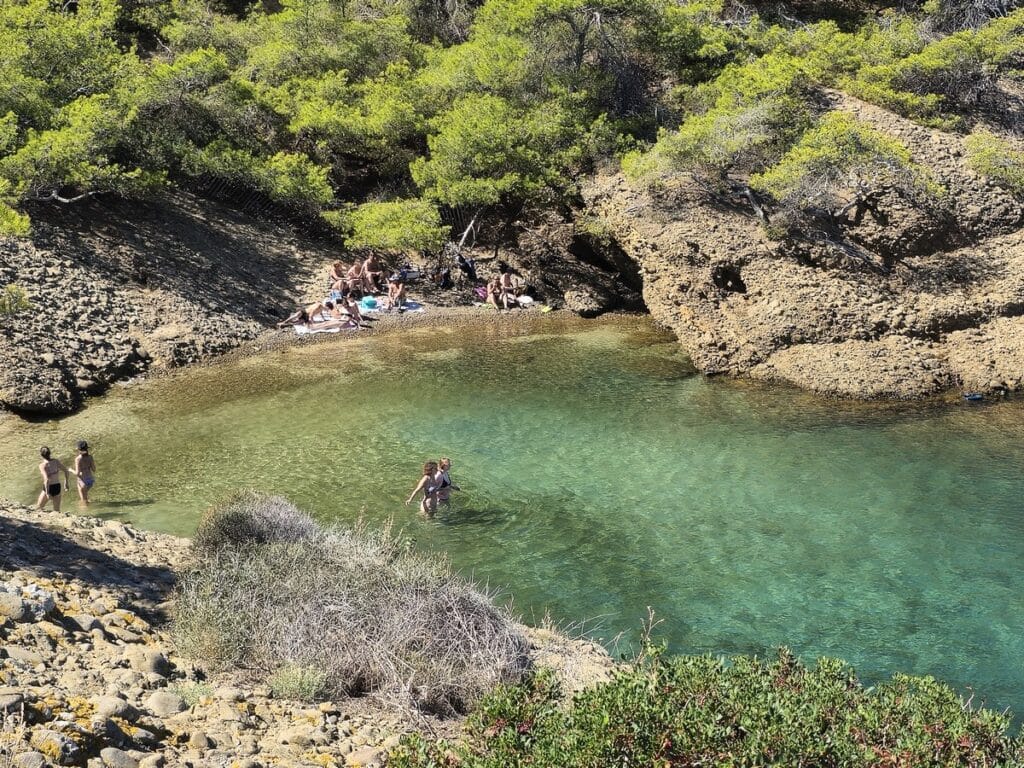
(85, 470)
(444, 483)
(50, 468)
(428, 485)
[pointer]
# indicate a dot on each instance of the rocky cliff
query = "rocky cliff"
(913, 304)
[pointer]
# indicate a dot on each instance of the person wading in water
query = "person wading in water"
(85, 470)
(50, 469)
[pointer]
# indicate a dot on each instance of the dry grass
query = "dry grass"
(13, 737)
(358, 606)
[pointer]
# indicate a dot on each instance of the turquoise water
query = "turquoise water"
(602, 476)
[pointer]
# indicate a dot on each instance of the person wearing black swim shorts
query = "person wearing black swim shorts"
(50, 469)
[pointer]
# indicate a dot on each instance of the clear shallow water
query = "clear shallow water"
(600, 477)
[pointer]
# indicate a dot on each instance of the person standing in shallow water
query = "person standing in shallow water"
(50, 469)
(444, 483)
(85, 470)
(428, 485)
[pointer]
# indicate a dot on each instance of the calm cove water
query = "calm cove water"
(602, 476)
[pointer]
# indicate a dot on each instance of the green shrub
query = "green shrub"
(296, 682)
(745, 120)
(696, 711)
(397, 226)
(13, 299)
(272, 592)
(995, 158)
(191, 691)
(839, 164)
(947, 77)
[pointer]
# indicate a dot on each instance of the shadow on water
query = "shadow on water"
(118, 504)
(472, 516)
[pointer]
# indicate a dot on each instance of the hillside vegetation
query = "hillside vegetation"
(395, 121)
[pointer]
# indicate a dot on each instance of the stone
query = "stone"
(298, 735)
(152, 761)
(228, 693)
(367, 757)
(57, 747)
(113, 757)
(30, 760)
(198, 740)
(24, 655)
(11, 699)
(83, 622)
(165, 703)
(13, 607)
(113, 706)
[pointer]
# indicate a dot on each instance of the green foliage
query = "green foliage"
(492, 104)
(747, 118)
(839, 160)
(946, 77)
(485, 151)
(397, 226)
(997, 159)
(13, 299)
(296, 682)
(191, 691)
(689, 711)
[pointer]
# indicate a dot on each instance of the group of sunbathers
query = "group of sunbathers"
(347, 291)
(436, 486)
(503, 290)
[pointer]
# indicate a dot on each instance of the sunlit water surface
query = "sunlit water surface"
(601, 476)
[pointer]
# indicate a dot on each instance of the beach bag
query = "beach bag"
(481, 292)
(368, 302)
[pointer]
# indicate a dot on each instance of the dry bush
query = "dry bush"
(251, 518)
(356, 605)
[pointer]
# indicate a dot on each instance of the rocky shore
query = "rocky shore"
(118, 288)
(89, 674)
(906, 305)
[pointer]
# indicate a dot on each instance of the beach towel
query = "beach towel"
(303, 330)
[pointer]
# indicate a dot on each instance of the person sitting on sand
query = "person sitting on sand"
(494, 293)
(351, 306)
(507, 286)
(373, 273)
(50, 469)
(428, 486)
(355, 277)
(85, 470)
(396, 293)
(336, 275)
(314, 312)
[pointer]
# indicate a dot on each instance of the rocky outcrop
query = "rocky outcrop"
(118, 287)
(89, 675)
(909, 305)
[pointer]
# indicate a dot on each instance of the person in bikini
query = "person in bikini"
(506, 287)
(85, 470)
(428, 485)
(50, 470)
(444, 483)
(396, 293)
(304, 316)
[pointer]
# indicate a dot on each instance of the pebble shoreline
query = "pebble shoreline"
(89, 675)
